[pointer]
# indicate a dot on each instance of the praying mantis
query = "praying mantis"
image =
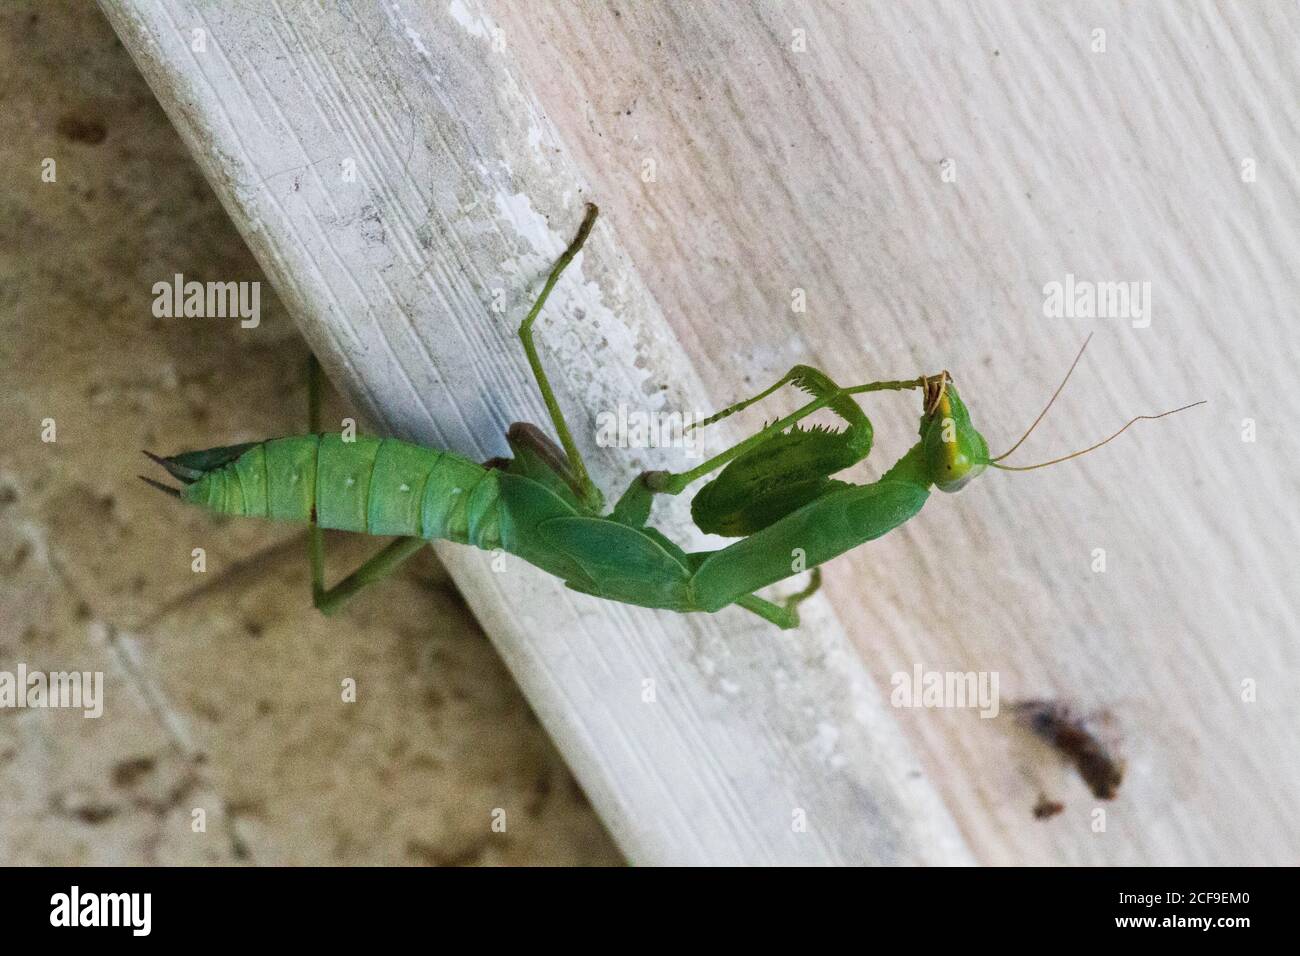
(775, 492)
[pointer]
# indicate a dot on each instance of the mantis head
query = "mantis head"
(953, 450)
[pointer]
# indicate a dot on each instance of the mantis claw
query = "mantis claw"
(936, 386)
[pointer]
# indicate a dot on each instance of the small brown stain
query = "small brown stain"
(541, 793)
(95, 815)
(89, 812)
(127, 773)
(1072, 736)
(427, 854)
(1045, 809)
(79, 129)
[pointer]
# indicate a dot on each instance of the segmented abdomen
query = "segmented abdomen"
(377, 486)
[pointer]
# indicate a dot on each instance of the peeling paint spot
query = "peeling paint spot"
(416, 40)
(476, 25)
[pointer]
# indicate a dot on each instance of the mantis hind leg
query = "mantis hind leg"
(383, 564)
(784, 614)
(589, 493)
(329, 600)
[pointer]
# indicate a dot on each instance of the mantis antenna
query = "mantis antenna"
(1047, 407)
(1049, 404)
(1057, 461)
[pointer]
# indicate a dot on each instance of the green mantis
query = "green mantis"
(775, 493)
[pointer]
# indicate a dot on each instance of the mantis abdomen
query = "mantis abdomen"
(369, 485)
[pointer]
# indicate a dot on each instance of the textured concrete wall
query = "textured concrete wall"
(222, 689)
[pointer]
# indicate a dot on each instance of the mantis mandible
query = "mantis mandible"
(775, 493)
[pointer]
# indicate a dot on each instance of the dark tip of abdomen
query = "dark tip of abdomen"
(174, 492)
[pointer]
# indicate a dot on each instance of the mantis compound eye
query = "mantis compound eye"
(958, 474)
(952, 464)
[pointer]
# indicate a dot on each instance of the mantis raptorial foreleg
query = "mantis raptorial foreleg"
(775, 472)
(672, 483)
(329, 600)
(818, 384)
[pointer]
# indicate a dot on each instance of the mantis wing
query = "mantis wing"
(539, 459)
(622, 563)
(525, 506)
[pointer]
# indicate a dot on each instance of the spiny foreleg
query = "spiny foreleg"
(819, 385)
(787, 470)
(672, 483)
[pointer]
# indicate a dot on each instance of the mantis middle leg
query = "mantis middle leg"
(785, 614)
(589, 492)
(383, 564)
